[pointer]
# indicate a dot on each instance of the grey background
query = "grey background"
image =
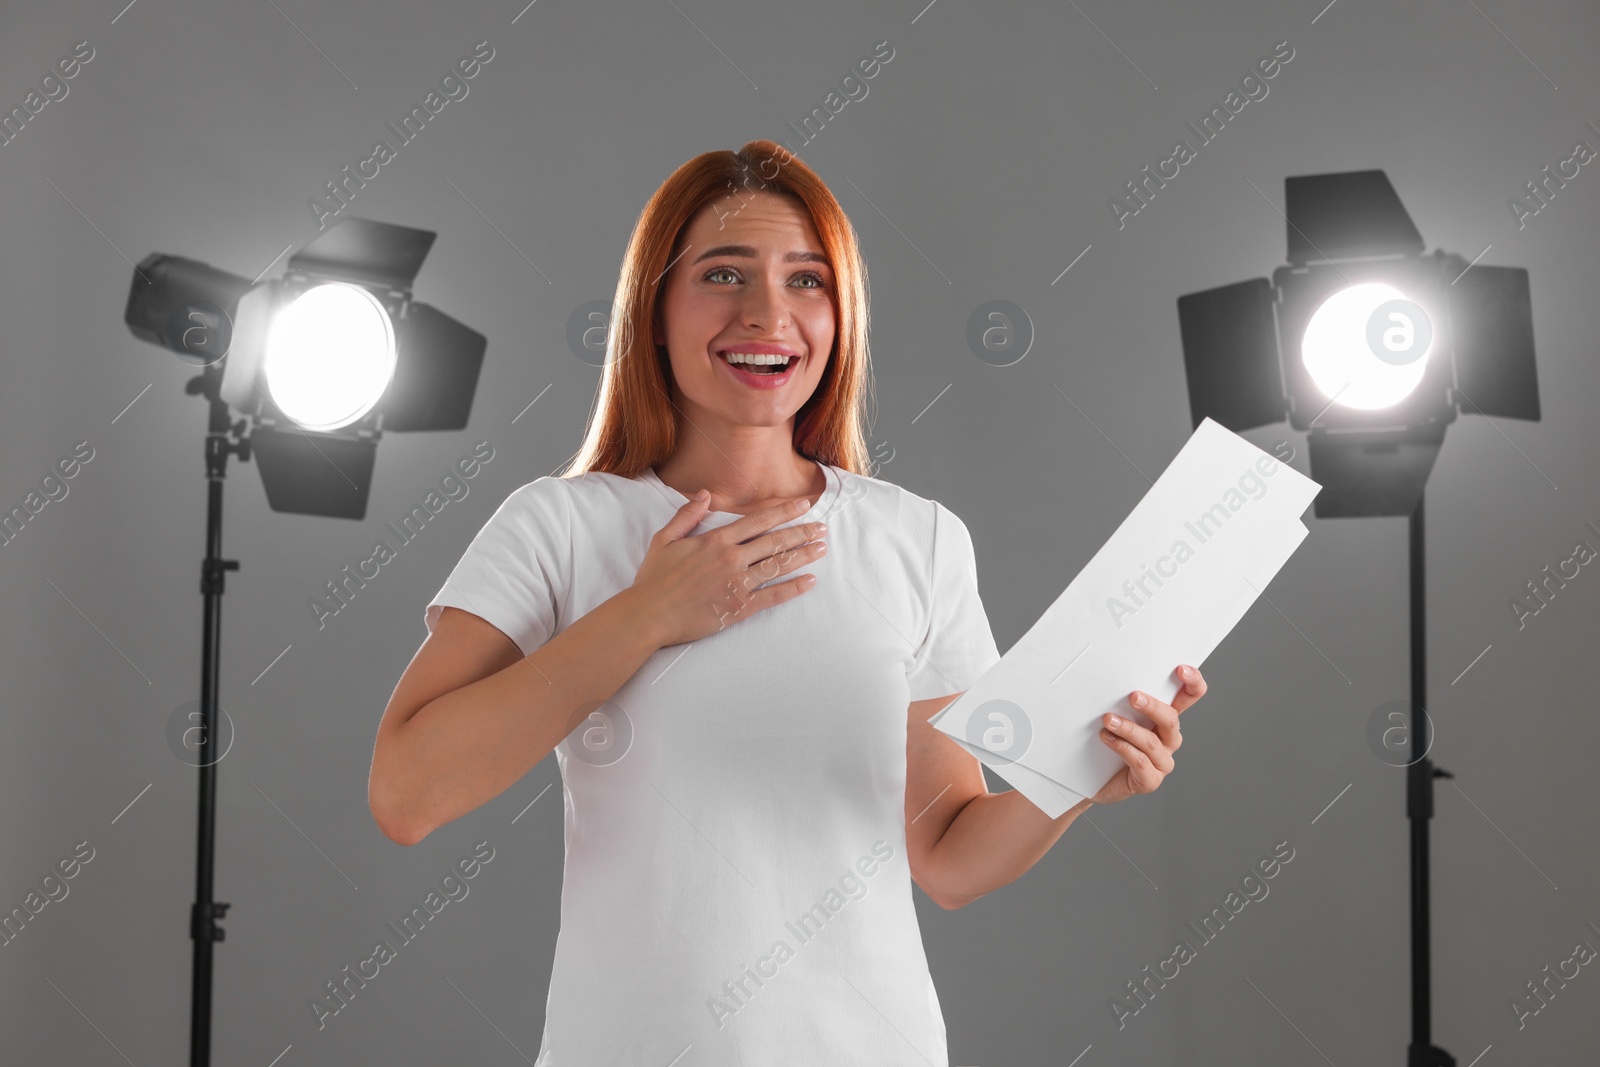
(978, 167)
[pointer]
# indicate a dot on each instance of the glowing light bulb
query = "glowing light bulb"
(329, 356)
(1367, 346)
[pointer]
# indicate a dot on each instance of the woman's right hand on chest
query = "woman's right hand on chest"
(692, 586)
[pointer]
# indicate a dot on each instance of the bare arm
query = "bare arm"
(471, 715)
(997, 836)
(967, 841)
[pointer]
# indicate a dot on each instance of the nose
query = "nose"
(765, 306)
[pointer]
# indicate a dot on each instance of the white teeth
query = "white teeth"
(747, 357)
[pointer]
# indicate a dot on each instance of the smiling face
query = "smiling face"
(754, 280)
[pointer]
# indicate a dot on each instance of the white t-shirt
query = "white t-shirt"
(736, 887)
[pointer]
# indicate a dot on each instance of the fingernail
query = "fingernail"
(1115, 722)
(1138, 700)
(1185, 671)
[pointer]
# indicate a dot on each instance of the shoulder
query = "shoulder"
(584, 507)
(533, 516)
(892, 509)
(544, 497)
(561, 492)
(602, 497)
(890, 495)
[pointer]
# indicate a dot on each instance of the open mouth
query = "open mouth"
(764, 365)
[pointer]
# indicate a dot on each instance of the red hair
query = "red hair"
(631, 426)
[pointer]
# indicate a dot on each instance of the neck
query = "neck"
(743, 471)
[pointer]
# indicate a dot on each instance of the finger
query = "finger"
(779, 592)
(1144, 740)
(749, 592)
(1165, 716)
(1192, 689)
(782, 543)
(732, 605)
(687, 517)
(780, 562)
(749, 526)
(1143, 776)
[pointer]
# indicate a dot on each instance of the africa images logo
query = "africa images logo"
(1203, 528)
(1251, 86)
(852, 885)
(343, 189)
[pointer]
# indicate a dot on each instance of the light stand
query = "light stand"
(1420, 773)
(344, 303)
(205, 911)
(1360, 308)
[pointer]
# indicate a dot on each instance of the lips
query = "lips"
(761, 368)
(758, 379)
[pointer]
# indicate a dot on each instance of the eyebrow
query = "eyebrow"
(749, 252)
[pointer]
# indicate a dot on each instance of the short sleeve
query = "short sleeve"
(958, 646)
(514, 574)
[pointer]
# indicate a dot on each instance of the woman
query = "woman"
(738, 711)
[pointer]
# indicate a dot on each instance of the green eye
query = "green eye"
(813, 275)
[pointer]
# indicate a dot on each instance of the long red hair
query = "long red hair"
(631, 425)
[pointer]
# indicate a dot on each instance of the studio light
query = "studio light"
(321, 361)
(317, 364)
(1364, 342)
(1366, 346)
(330, 355)
(1371, 347)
